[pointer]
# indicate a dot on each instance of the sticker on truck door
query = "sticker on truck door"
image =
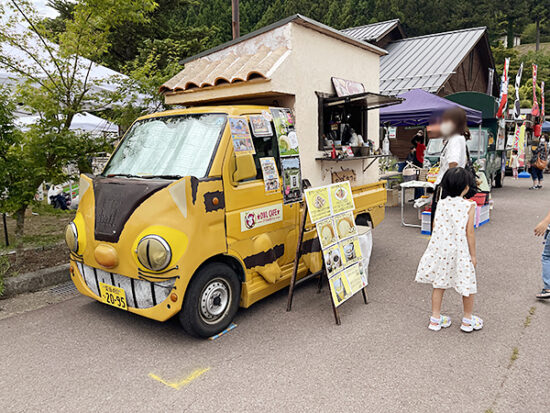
(259, 217)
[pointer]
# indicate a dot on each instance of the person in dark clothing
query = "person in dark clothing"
(536, 173)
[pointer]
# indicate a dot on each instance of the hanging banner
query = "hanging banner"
(501, 135)
(503, 101)
(517, 103)
(521, 145)
(542, 102)
(535, 110)
(491, 81)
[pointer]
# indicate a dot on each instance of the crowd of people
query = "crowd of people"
(449, 261)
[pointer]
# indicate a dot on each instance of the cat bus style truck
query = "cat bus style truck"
(178, 223)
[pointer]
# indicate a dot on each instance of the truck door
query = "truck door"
(261, 230)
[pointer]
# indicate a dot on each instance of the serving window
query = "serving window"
(343, 120)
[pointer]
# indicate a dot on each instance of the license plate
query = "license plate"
(113, 296)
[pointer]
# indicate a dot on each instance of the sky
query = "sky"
(43, 9)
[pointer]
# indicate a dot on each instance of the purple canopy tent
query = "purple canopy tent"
(420, 108)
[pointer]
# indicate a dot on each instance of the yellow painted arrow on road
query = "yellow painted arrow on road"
(183, 382)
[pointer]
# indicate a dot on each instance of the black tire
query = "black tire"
(499, 178)
(205, 290)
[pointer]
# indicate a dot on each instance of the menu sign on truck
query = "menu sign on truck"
(331, 208)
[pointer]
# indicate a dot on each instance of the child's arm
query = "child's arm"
(540, 229)
(470, 235)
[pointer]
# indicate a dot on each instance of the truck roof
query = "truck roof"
(234, 110)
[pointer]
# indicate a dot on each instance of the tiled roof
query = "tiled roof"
(231, 68)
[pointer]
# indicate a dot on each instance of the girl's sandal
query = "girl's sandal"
(469, 325)
(544, 294)
(437, 324)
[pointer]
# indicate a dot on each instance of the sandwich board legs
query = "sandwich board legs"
(322, 273)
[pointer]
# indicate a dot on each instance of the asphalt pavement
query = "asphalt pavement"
(78, 355)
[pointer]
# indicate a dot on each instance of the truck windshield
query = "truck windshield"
(475, 146)
(168, 147)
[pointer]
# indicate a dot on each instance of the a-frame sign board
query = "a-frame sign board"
(323, 273)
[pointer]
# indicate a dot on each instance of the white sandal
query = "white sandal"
(437, 324)
(469, 325)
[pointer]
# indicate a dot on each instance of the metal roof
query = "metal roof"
(426, 62)
(372, 32)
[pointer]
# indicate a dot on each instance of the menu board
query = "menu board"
(319, 199)
(331, 210)
(341, 197)
(240, 134)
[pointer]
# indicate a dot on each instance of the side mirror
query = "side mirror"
(245, 168)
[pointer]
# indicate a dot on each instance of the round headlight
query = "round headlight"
(71, 237)
(154, 253)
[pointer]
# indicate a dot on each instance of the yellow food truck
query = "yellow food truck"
(177, 223)
(183, 220)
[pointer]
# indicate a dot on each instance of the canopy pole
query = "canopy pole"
(479, 144)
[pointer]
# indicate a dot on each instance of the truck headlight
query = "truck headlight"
(71, 237)
(154, 253)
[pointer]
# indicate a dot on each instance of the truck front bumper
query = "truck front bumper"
(150, 299)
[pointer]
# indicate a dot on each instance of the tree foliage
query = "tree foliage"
(56, 83)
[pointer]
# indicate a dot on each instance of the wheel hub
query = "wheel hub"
(215, 300)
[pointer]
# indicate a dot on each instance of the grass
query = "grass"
(523, 49)
(4, 267)
(515, 355)
(44, 226)
(527, 321)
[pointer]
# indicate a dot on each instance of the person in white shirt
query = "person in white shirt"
(454, 130)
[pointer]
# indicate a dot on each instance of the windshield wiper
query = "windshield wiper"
(124, 175)
(162, 177)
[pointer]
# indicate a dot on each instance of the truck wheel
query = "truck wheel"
(499, 177)
(211, 300)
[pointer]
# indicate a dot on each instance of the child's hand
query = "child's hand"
(540, 229)
(474, 261)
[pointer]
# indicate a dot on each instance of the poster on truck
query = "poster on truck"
(270, 174)
(261, 127)
(240, 135)
(285, 131)
(292, 179)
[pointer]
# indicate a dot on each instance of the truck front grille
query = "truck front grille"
(139, 293)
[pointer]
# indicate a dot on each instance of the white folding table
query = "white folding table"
(419, 203)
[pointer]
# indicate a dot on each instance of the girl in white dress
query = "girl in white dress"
(450, 259)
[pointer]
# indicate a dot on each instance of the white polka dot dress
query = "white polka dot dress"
(447, 262)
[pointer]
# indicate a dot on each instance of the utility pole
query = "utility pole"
(537, 42)
(235, 19)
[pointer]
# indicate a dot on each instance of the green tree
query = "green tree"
(57, 85)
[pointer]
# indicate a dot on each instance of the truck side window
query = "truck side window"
(265, 146)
